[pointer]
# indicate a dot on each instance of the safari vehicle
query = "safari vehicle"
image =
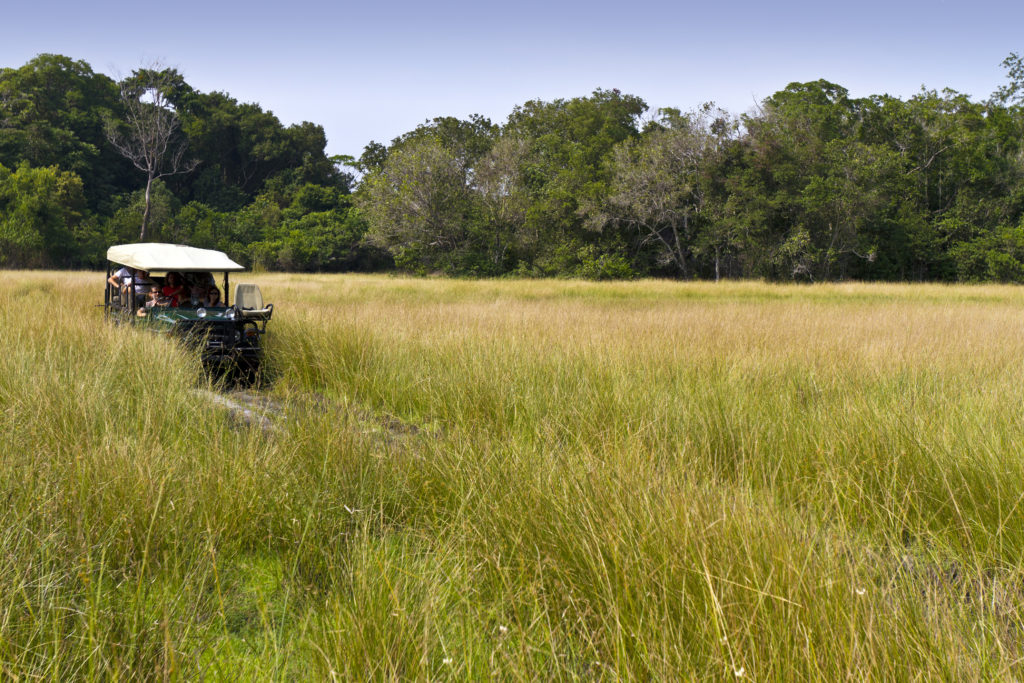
(227, 332)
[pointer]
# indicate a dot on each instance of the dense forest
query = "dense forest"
(811, 185)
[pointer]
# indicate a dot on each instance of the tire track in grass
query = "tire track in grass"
(249, 408)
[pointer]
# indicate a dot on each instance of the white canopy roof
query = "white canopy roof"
(153, 256)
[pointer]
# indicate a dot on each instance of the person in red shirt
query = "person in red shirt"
(174, 288)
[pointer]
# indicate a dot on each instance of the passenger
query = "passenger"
(122, 280)
(173, 289)
(122, 277)
(204, 290)
(147, 299)
(155, 298)
(195, 289)
(212, 293)
(143, 284)
(142, 279)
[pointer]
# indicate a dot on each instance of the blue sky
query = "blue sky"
(373, 71)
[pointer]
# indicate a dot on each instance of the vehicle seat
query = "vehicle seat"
(249, 300)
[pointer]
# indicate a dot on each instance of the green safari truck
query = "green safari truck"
(173, 288)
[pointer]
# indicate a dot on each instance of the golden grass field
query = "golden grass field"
(520, 480)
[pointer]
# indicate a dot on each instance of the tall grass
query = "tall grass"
(521, 480)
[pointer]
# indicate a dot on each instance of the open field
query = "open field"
(521, 480)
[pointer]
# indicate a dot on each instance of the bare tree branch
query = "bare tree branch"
(149, 135)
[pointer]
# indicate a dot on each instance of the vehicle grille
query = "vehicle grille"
(213, 335)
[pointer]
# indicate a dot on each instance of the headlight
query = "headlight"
(201, 312)
(230, 314)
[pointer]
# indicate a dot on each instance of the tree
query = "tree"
(39, 210)
(997, 255)
(662, 182)
(123, 224)
(373, 157)
(1012, 92)
(567, 174)
(52, 113)
(418, 204)
(498, 183)
(149, 136)
(845, 208)
(244, 150)
(817, 182)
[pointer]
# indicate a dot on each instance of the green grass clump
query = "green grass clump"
(520, 480)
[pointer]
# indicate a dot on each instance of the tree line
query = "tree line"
(812, 185)
(87, 161)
